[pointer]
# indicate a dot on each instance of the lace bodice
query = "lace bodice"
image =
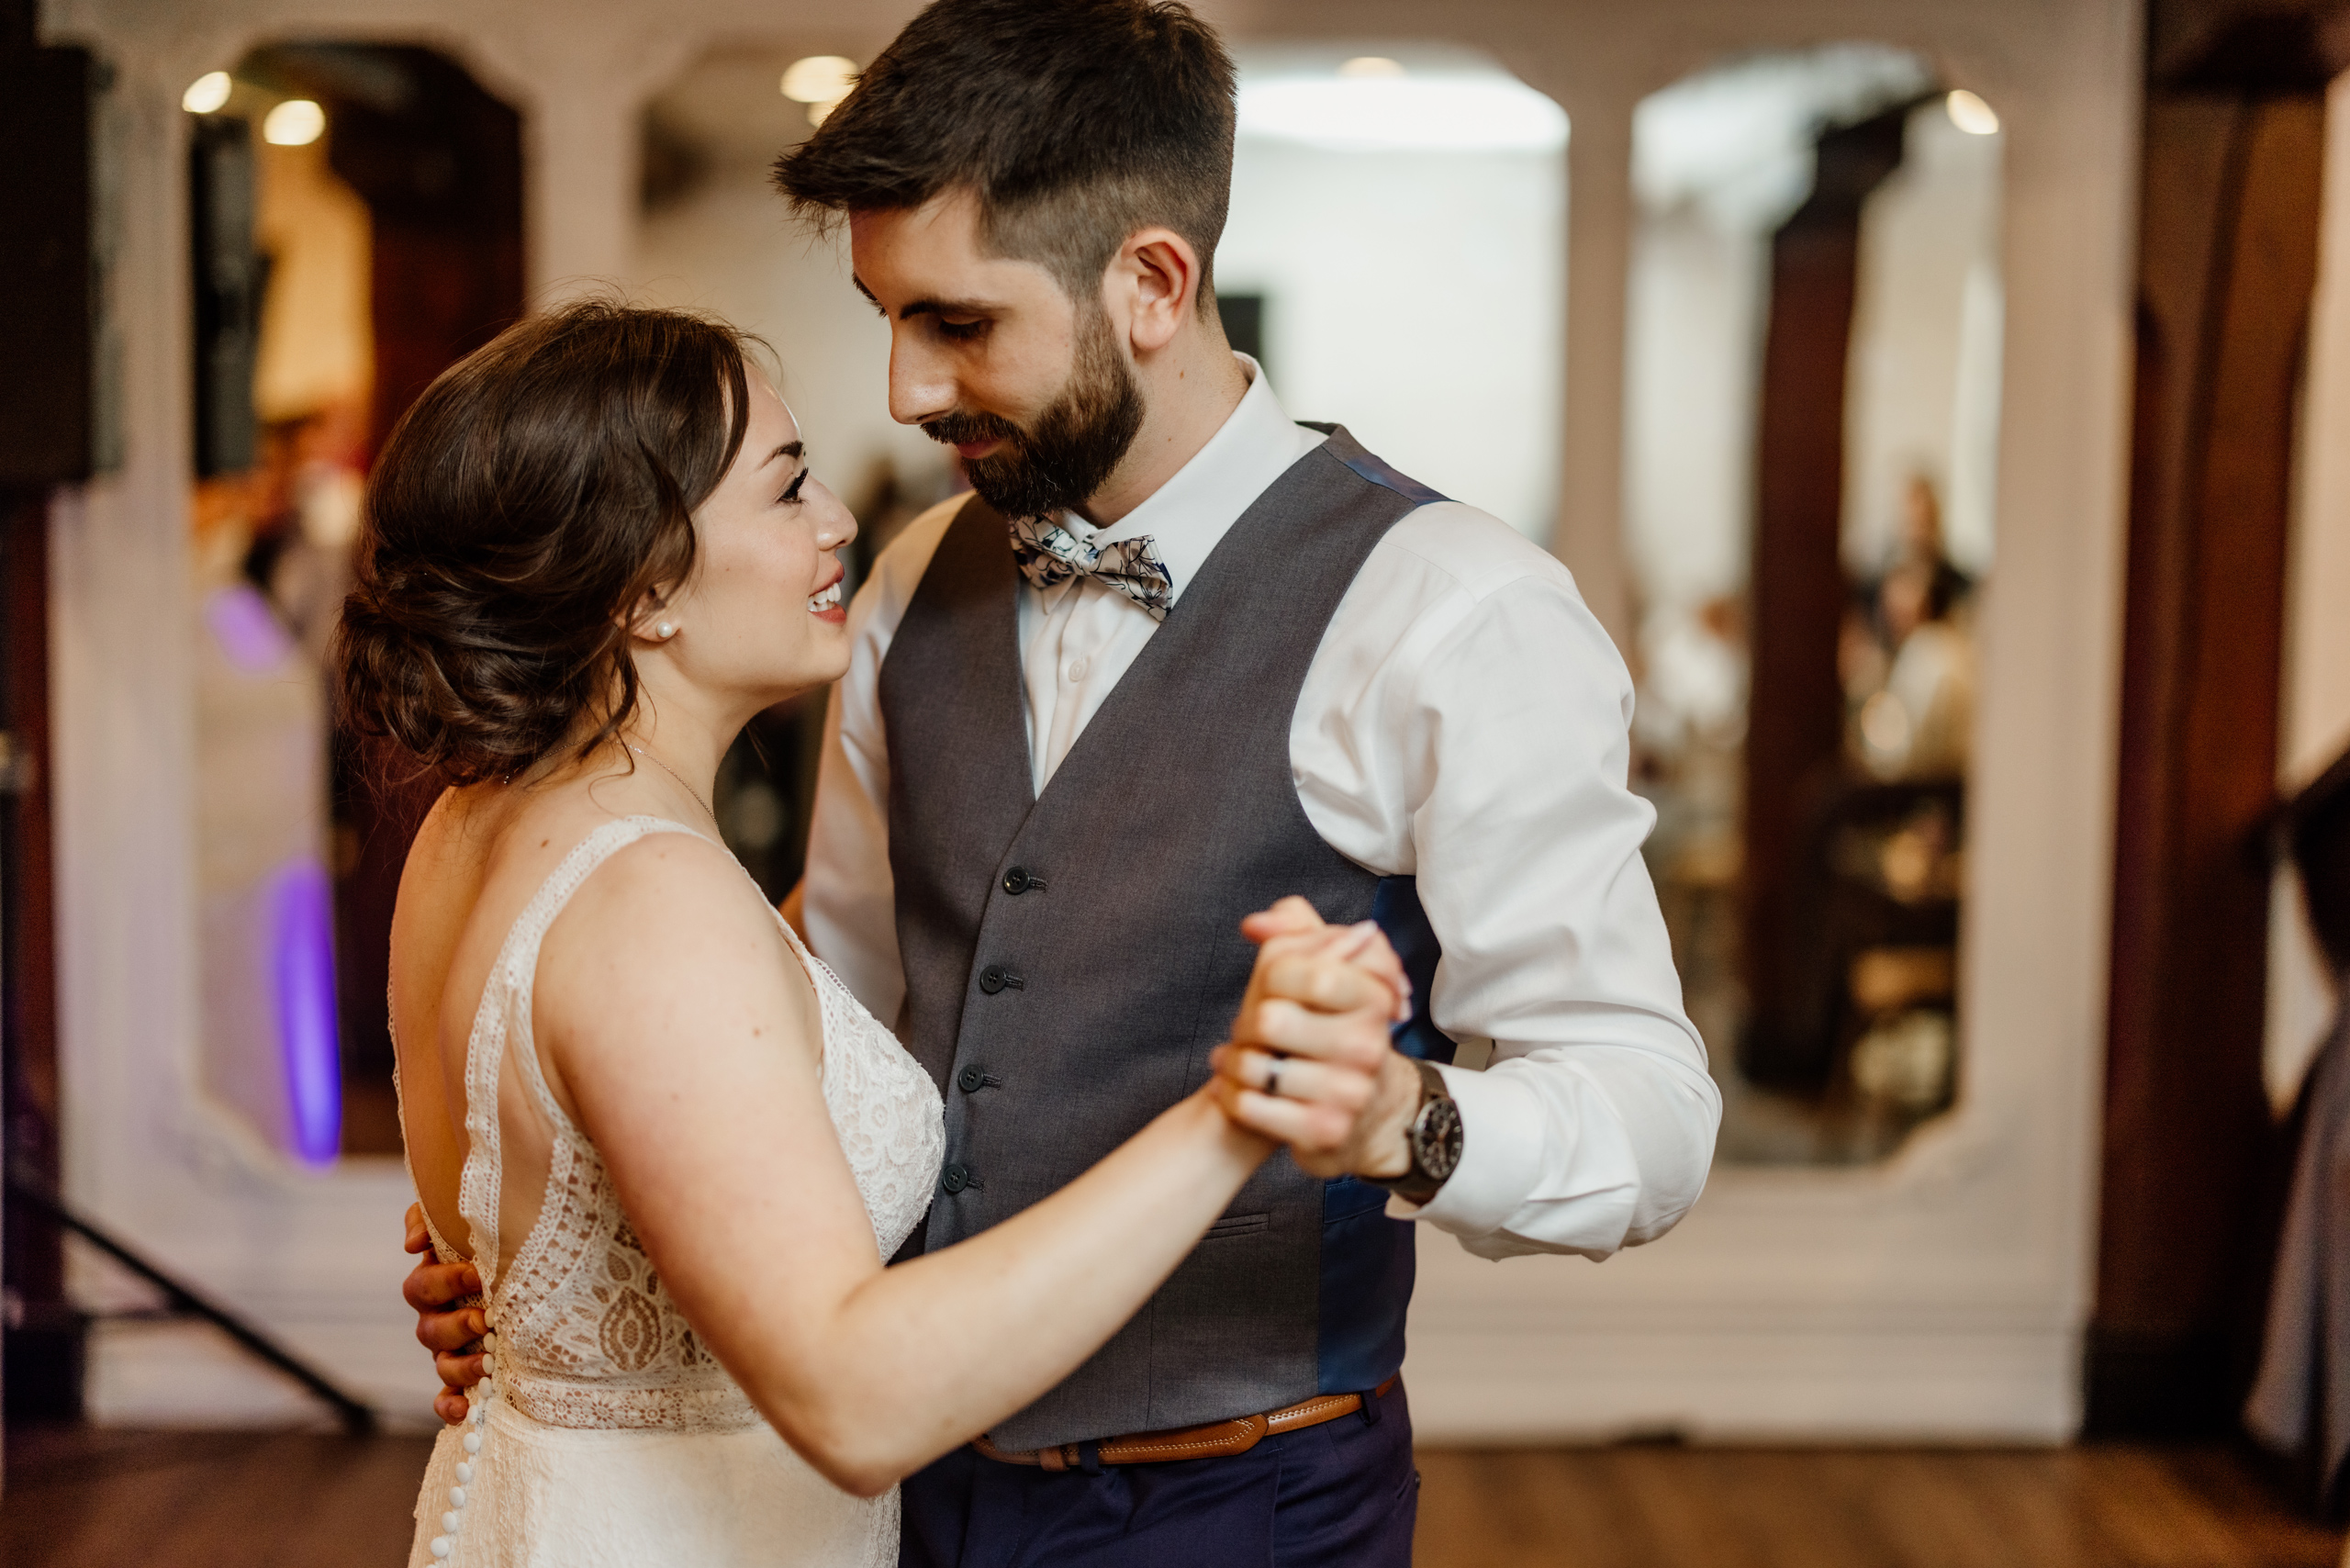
(587, 1336)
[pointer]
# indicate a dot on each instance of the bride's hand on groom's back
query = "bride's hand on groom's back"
(1310, 1062)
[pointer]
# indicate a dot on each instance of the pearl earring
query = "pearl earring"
(666, 630)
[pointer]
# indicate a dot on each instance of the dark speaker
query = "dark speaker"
(227, 286)
(44, 1359)
(58, 403)
(1244, 324)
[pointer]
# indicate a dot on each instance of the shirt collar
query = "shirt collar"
(1189, 515)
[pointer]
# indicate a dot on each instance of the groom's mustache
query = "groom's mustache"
(963, 430)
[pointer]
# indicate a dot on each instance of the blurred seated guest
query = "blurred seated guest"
(1908, 655)
(299, 555)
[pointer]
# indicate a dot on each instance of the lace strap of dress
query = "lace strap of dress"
(505, 1011)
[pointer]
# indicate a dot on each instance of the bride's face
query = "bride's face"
(761, 617)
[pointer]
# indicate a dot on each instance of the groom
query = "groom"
(1179, 656)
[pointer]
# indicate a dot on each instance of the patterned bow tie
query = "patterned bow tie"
(1050, 554)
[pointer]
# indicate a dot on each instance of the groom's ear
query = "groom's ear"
(1154, 284)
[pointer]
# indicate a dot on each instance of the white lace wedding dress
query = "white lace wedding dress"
(609, 1434)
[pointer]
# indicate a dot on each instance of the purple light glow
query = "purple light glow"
(247, 629)
(302, 951)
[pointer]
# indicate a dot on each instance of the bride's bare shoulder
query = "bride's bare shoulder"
(662, 892)
(439, 881)
(669, 938)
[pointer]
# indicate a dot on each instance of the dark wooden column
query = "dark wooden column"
(1795, 718)
(53, 431)
(2228, 255)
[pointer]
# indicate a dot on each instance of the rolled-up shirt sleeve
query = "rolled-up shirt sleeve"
(1491, 725)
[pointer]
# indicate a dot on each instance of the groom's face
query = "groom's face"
(991, 356)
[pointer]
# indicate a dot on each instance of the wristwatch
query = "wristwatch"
(1434, 1139)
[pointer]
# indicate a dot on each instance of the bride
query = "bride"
(673, 1148)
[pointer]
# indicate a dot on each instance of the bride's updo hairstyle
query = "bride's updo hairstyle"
(523, 506)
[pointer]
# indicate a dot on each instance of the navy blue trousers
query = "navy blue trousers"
(1344, 1492)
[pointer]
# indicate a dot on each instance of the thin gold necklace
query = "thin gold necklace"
(673, 773)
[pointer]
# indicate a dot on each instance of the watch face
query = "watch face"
(1436, 1138)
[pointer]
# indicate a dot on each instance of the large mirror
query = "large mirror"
(356, 226)
(1812, 405)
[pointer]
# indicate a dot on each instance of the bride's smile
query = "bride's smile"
(765, 539)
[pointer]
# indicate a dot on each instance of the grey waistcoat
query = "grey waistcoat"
(1071, 958)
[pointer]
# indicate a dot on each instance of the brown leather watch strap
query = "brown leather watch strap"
(1214, 1440)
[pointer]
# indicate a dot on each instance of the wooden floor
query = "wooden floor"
(84, 1499)
(1670, 1508)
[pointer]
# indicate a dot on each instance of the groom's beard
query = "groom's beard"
(1070, 452)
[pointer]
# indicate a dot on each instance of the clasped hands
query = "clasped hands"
(1309, 1064)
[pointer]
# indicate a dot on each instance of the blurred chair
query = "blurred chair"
(1870, 936)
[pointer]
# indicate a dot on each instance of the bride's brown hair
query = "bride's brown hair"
(522, 508)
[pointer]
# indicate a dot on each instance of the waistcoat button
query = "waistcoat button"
(970, 1078)
(956, 1179)
(1017, 881)
(995, 977)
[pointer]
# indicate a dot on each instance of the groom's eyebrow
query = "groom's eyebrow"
(925, 307)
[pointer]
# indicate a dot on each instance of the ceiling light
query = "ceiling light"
(296, 122)
(820, 79)
(1371, 65)
(206, 94)
(1971, 113)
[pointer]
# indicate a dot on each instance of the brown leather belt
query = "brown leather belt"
(1214, 1440)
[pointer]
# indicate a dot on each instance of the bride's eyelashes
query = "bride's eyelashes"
(790, 496)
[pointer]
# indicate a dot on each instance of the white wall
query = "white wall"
(728, 245)
(1941, 1295)
(1414, 299)
(1923, 387)
(1693, 317)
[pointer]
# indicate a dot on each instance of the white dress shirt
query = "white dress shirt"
(1465, 721)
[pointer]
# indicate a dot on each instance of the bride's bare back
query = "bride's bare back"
(480, 856)
(512, 932)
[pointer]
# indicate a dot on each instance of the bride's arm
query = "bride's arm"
(688, 1047)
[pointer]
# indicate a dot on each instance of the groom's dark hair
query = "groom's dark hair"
(1075, 122)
